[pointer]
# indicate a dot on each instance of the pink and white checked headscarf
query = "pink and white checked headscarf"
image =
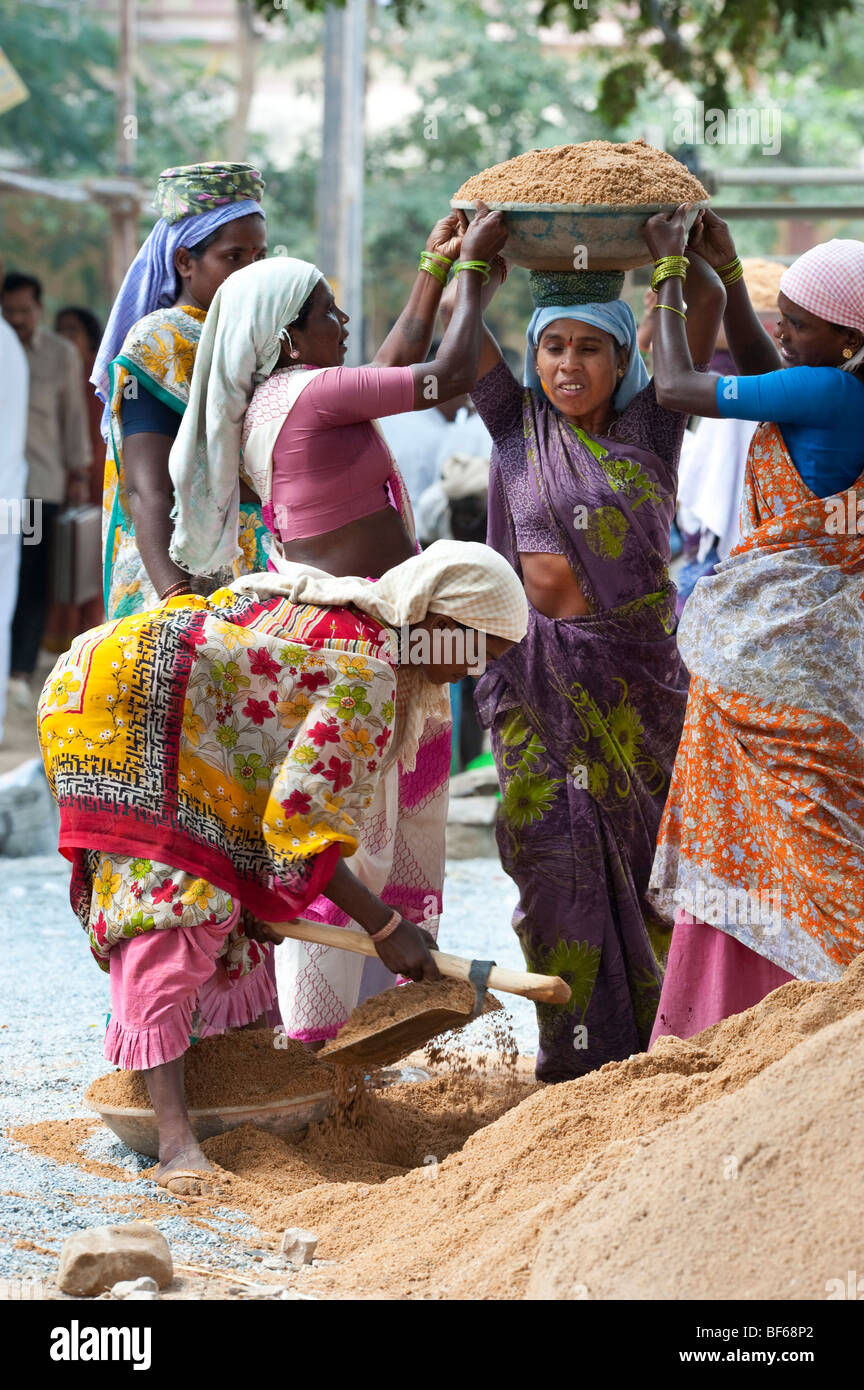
(828, 280)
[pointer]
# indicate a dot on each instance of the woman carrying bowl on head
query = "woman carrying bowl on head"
(761, 849)
(211, 776)
(211, 224)
(272, 403)
(585, 715)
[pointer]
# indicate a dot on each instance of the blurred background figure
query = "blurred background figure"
(83, 329)
(455, 508)
(13, 478)
(58, 455)
(422, 441)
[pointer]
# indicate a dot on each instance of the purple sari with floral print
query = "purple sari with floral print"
(586, 712)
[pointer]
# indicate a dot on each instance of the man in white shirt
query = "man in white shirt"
(13, 479)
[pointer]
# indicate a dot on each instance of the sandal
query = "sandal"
(205, 1179)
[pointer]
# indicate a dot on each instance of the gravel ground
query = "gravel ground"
(54, 1000)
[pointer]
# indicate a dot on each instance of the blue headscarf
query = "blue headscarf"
(151, 282)
(615, 318)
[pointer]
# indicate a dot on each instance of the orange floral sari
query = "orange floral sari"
(763, 832)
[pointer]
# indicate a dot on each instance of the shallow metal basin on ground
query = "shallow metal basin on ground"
(288, 1119)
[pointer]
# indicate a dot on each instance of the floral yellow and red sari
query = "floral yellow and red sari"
(763, 832)
(238, 740)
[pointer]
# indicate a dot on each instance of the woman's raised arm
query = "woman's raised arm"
(409, 339)
(677, 383)
(455, 369)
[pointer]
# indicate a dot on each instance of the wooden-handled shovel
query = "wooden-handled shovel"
(395, 1040)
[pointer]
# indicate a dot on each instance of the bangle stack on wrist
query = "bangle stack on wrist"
(483, 267)
(181, 586)
(731, 272)
(435, 264)
(668, 266)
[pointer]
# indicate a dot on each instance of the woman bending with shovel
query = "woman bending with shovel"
(213, 761)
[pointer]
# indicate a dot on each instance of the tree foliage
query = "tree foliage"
(705, 44)
(68, 63)
(708, 45)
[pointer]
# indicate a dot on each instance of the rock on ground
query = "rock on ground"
(92, 1261)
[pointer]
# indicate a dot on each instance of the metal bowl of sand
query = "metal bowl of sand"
(288, 1119)
(566, 236)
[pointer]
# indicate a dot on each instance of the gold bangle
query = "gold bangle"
(679, 312)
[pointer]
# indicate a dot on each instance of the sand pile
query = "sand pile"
(756, 1196)
(762, 279)
(594, 172)
(621, 1183)
(240, 1068)
(470, 1226)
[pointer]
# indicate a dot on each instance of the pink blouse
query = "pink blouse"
(330, 464)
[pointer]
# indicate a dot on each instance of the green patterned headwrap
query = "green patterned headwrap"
(551, 287)
(195, 188)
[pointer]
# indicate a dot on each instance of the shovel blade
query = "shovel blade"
(396, 1040)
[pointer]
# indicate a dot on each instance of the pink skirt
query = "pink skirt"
(709, 976)
(160, 979)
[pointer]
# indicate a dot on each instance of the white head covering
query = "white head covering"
(465, 475)
(239, 347)
(468, 582)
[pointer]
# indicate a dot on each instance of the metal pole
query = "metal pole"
(124, 216)
(340, 186)
(353, 164)
(329, 189)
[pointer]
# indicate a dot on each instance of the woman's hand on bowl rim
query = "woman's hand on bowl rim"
(666, 232)
(486, 236)
(445, 238)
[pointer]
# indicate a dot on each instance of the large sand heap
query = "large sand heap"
(596, 171)
(756, 1196)
(621, 1184)
(478, 1224)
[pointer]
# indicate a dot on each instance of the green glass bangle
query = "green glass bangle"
(483, 267)
(679, 312)
(666, 274)
(436, 256)
(733, 275)
(439, 273)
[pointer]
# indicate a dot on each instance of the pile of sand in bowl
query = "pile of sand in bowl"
(243, 1067)
(594, 172)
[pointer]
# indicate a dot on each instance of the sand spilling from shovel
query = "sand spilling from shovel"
(618, 1183)
(394, 1006)
(246, 1067)
(594, 172)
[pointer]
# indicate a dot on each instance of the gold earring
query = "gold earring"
(847, 353)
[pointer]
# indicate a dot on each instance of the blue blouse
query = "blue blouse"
(144, 413)
(820, 411)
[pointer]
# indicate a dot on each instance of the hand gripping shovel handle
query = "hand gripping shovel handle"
(545, 989)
